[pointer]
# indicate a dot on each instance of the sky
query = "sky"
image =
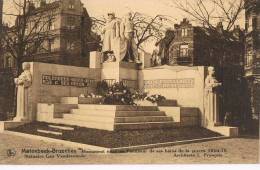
(121, 7)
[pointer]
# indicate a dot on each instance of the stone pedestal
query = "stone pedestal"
(121, 71)
(95, 59)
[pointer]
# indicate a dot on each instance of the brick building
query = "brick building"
(200, 46)
(195, 46)
(252, 54)
(69, 39)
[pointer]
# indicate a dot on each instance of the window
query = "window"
(184, 50)
(71, 5)
(8, 62)
(251, 23)
(249, 58)
(51, 44)
(70, 22)
(70, 45)
(184, 32)
(51, 25)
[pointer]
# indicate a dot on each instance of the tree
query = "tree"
(146, 28)
(206, 12)
(226, 50)
(30, 33)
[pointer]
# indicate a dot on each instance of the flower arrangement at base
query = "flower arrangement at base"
(156, 98)
(118, 94)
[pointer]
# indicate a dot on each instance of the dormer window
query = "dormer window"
(184, 32)
(71, 5)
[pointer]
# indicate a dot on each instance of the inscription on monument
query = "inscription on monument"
(170, 83)
(67, 81)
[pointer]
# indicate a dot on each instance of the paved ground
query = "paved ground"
(236, 150)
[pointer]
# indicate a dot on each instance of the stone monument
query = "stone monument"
(211, 98)
(23, 83)
(119, 52)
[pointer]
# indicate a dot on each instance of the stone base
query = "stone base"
(115, 72)
(225, 130)
(109, 117)
(11, 124)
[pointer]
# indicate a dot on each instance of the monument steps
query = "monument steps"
(143, 119)
(112, 119)
(95, 125)
(87, 118)
(109, 113)
(61, 127)
(49, 132)
(117, 126)
(145, 125)
(117, 107)
(116, 117)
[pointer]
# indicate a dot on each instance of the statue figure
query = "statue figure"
(110, 34)
(211, 98)
(128, 48)
(23, 82)
(156, 59)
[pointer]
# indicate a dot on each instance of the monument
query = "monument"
(23, 83)
(57, 92)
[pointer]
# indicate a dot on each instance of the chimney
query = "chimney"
(220, 27)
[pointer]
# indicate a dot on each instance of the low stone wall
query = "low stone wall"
(51, 82)
(183, 84)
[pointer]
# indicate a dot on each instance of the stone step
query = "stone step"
(143, 119)
(49, 132)
(168, 103)
(112, 119)
(117, 126)
(93, 125)
(146, 125)
(118, 107)
(116, 113)
(80, 100)
(61, 127)
(139, 113)
(88, 118)
(55, 108)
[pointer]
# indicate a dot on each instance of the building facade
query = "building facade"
(252, 54)
(57, 31)
(200, 46)
(64, 29)
(1, 14)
